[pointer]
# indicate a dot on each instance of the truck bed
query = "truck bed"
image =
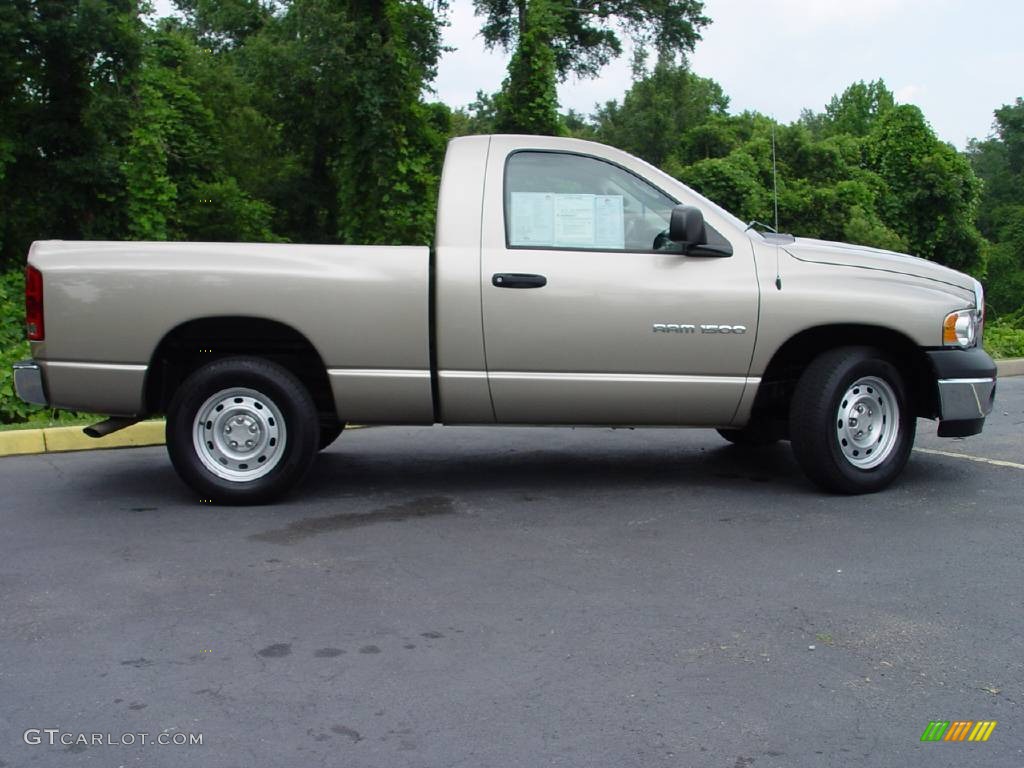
(110, 305)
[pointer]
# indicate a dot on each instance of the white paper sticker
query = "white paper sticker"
(546, 219)
(533, 219)
(574, 220)
(609, 225)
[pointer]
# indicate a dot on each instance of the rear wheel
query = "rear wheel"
(851, 424)
(242, 431)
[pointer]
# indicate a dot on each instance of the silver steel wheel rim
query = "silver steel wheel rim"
(867, 422)
(239, 434)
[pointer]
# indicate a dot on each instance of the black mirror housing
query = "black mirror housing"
(686, 226)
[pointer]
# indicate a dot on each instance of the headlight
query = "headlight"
(962, 329)
(979, 305)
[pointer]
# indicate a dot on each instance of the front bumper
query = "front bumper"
(28, 382)
(966, 381)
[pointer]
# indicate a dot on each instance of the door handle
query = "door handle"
(516, 280)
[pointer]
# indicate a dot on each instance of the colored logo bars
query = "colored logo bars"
(958, 730)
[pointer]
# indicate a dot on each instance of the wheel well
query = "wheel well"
(790, 360)
(197, 342)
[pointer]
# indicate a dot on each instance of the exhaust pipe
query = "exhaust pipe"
(111, 425)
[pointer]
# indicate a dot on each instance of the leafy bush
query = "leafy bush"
(1005, 337)
(13, 346)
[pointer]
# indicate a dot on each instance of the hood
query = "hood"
(844, 254)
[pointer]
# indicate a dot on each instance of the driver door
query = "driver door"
(580, 311)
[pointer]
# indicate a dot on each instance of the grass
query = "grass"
(54, 418)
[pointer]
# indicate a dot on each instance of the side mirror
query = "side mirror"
(687, 226)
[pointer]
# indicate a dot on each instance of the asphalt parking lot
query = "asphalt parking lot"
(518, 597)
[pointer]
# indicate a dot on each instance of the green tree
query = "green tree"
(177, 184)
(14, 106)
(854, 112)
(999, 162)
(299, 64)
(344, 81)
(553, 38)
(394, 142)
(479, 117)
(934, 191)
(224, 24)
(585, 35)
(578, 126)
(66, 93)
(1010, 128)
(826, 187)
(528, 102)
(1005, 283)
(732, 181)
(658, 111)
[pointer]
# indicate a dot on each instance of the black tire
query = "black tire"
(751, 436)
(273, 407)
(329, 432)
(836, 451)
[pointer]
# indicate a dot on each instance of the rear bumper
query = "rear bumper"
(111, 388)
(28, 382)
(966, 381)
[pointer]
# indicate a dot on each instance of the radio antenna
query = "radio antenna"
(775, 195)
(775, 179)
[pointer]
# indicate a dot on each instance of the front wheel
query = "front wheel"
(851, 424)
(242, 431)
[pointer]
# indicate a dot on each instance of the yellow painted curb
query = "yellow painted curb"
(73, 439)
(19, 441)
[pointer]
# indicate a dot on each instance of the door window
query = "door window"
(566, 201)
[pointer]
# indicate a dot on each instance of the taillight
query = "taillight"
(34, 304)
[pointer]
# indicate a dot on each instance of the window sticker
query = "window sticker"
(609, 226)
(533, 218)
(574, 221)
(546, 219)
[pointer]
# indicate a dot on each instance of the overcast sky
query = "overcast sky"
(956, 59)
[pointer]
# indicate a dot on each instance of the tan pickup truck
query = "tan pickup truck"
(569, 283)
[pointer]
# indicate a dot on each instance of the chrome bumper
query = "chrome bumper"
(966, 399)
(28, 382)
